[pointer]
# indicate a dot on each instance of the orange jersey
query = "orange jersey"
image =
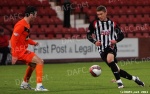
(20, 38)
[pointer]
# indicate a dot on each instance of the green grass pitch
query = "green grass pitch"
(74, 78)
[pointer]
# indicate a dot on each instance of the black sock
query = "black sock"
(126, 75)
(114, 69)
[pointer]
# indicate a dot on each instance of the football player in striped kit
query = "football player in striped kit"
(107, 34)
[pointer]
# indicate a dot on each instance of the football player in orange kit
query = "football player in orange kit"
(19, 44)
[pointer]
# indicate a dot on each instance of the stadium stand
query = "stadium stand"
(48, 25)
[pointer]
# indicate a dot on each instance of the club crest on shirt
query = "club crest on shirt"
(26, 29)
(105, 32)
(16, 34)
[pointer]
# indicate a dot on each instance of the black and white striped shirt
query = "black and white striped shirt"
(104, 31)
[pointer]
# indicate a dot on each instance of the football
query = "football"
(95, 70)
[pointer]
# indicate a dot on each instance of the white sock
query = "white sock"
(25, 83)
(119, 81)
(39, 84)
(133, 78)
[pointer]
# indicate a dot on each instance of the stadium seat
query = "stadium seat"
(123, 27)
(41, 11)
(92, 4)
(42, 36)
(146, 10)
(7, 32)
(146, 18)
(33, 36)
(85, 10)
(67, 36)
(57, 30)
(138, 3)
(116, 19)
(10, 27)
(75, 34)
(50, 36)
(77, 10)
(139, 10)
(127, 3)
(83, 36)
(146, 34)
(130, 35)
(123, 10)
(110, 10)
(59, 36)
(115, 11)
(138, 35)
(50, 21)
(57, 21)
(131, 10)
(81, 30)
(65, 31)
(51, 12)
(51, 27)
(92, 18)
(73, 31)
(60, 26)
(9, 36)
(49, 30)
(123, 19)
(45, 3)
(90, 13)
(130, 19)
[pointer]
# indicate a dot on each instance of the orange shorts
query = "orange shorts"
(27, 56)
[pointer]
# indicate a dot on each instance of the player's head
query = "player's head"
(1, 32)
(31, 13)
(101, 12)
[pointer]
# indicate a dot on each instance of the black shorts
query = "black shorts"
(105, 53)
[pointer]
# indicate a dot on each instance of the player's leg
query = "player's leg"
(39, 73)
(128, 76)
(27, 58)
(29, 70)
(115, 69)
(109, 58)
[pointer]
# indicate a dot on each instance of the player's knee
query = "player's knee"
(33, 65)
(37, 60)
(109, 60)
(41, 61)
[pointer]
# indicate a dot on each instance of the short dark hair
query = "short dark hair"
(30, 10)
(101, 8)
(1, 30)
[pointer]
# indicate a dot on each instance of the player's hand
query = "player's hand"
(113, 42)
(36, 44)
(14, 60)
(98, 43)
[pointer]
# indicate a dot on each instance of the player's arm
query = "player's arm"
(31, 42)
(90, 32)
(16, 37)
(119, 33)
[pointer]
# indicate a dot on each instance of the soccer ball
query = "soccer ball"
(95, 70)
